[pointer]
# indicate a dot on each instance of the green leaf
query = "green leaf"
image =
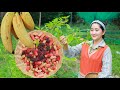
(36, 42)
(37, 27)
(68, 26)
(66, 58)
(70, 38)
(58, 31)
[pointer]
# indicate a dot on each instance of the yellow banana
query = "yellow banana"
(21, 31)
(6, 25)
(27, 20)
(13, 32)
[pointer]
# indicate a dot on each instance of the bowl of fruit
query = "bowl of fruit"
(44, 59)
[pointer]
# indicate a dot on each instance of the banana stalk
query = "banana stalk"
(6, 25)
(27, 20)
(21, 31)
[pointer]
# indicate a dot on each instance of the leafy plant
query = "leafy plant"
(58, 27)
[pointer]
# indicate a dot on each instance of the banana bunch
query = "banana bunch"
(14, 23)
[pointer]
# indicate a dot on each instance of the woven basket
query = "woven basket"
(22, 66)
(92, 75)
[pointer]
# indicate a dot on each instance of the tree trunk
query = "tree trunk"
(1, 15)
(70, 17)
(39, 19)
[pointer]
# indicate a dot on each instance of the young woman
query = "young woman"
(95, 55)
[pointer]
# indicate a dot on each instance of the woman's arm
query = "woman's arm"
(106, 65)
(70, 51)
(73, 51)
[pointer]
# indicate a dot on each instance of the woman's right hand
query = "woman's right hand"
(63, 41)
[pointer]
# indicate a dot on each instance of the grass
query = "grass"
(115, 59)
(8, 68)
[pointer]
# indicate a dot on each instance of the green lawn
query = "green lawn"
(8, 67)
(115, 59)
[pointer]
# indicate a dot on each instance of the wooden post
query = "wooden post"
(70, 17)
(39, 19)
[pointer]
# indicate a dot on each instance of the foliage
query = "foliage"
(47, 16)
(59, 27)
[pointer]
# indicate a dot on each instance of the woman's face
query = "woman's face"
(96, 32)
